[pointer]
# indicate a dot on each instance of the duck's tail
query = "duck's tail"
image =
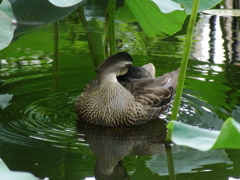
(150, 68)
(172, 79)
(168, 80)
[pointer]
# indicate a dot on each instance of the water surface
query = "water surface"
(46, 67)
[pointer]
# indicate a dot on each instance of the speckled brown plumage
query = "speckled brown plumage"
(124, 95)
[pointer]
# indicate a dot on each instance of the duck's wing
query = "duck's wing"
(150, 95)
(155, 92)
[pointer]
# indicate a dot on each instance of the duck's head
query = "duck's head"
(116, 65)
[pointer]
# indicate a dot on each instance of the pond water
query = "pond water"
(48, 64)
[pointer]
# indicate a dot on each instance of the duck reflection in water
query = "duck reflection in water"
(111, 145)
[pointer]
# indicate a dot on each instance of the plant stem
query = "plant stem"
(92, 38)
(183, 67)
(110, 28)
(56, 53)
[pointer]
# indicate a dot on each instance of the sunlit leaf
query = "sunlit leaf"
(168, 6)
(6, 21)
(3, 167)
(4, 100)
(223, 12)
(66, 3)
(204, 139)
(6, 174)
(203, 5)
(153, 21)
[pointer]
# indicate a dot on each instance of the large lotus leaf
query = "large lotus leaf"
(125, 14)
(168, 6)
(203, 5)
(204, 139)
(66, 3)
(6, 174)
(6, 20)
(153, 21)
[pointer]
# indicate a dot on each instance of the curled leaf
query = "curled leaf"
(6, 20)
(204, 139)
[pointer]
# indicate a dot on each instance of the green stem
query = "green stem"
(183, 67)
(110, 41)
(91, 37)
(56, 53)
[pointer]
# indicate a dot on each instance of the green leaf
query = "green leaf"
(125, 14)
(65, 3)
(168, 6)
(3, 167)
(153, 21)
(6, 174)
(4, 100)
(204, 4)
(204, 139)
(6, 20)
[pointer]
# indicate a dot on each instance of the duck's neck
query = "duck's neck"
(108, 79)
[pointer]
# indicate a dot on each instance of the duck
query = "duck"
(124, 95)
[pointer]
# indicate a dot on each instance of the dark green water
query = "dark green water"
(46, 67)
